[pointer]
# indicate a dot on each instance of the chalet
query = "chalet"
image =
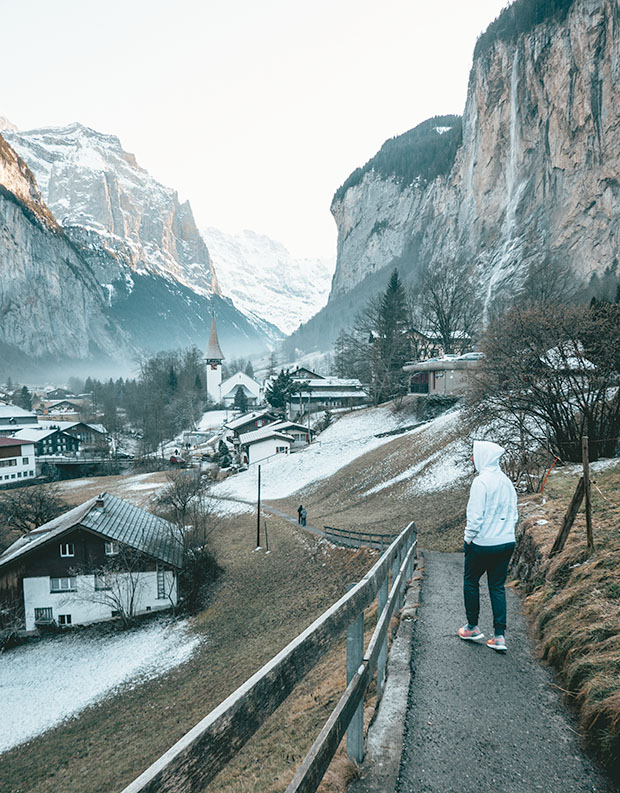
(64, 409)
(248, 422)
(441, 376)
(57, 394)
(49, 440)
(240, 381)
(320, 393)
(13, 418)
(103, 557)
(301, 435)
(16, 461)
(91, 436)
(265, 442)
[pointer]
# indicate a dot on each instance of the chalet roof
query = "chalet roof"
(34, 434)
(303, 373)
(283, 426)
(246, 418)
(262, 434)
(69, 425)
(12, 411)
(118, 520)
(214, 351)
(333, 382)
(331, 393)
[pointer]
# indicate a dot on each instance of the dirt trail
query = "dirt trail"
(480, 722)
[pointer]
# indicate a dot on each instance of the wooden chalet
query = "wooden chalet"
(49, 440)
(86, 565)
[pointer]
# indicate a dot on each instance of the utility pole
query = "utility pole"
(258, 513)
(585, 456)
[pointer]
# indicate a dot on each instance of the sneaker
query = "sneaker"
(497, 643)
(473, 635)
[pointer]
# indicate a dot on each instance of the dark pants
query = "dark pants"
(492, 560)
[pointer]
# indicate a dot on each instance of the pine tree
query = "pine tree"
(278, 393)
(249, 369)
(24, 398)
(241, 401)
(391, 345)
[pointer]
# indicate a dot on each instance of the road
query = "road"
(479, 721)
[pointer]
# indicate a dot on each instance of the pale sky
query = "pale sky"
(254, 110)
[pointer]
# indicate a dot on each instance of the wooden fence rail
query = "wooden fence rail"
(200, 754)
(356, 539)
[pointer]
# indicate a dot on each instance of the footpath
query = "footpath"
(479, 721)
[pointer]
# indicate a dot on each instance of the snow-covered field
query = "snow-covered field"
(347, 439)
(44, 684)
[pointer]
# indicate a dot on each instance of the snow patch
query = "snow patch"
(72, 672)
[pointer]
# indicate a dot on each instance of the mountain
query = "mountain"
(529, 175)
(140, 241)
(51, 305)
(265, 280)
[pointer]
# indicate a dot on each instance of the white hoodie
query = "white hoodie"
(492, 505)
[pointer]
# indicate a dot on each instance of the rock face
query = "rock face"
(141, 244)
(536, 177)
(52, 307)
(265, 280)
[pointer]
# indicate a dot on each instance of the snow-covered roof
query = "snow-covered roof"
(12, 411)
(7, 442)
(263, 434)
(117, 519)
(329, 393)
(291, 425)
(332, 382)
(569, 357)
(34, 434)
(240, 421)
(67, 425)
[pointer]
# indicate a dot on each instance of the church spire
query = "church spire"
(214, 352)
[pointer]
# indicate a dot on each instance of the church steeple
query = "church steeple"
(213, 360)
(214, 351)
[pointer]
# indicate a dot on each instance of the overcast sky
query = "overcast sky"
(254, 110)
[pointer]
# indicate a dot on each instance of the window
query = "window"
(67, 584)
(25, 460)
(100, 582)
(7, 463)
(161, 583)
(43, 615)
(111, 548)
(19, 474)
(64, 619)
(67, 549)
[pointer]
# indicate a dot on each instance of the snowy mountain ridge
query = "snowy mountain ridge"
(264, 279)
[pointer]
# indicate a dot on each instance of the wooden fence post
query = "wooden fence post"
(355, 656)
(383, 653)
(585, 455)
(569, 518)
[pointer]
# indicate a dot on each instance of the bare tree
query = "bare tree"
(27, 508)
(450, 306)
(553, 371)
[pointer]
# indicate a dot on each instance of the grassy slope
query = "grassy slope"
(573, 601)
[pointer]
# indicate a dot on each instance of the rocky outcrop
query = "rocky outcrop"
(536, 177)
(142, 246)
(51, 306)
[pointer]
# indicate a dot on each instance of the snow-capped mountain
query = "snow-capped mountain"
(141, 243)
(264, 279)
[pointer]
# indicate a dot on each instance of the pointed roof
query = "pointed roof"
(214, 352)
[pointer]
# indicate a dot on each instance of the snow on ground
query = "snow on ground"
(37, 690)
(143, 486)
(348, 438)
(213, 419)
(228, 509)
(76, 483)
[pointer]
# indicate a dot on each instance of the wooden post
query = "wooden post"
(258, 513)
(569, 518)
(383, 652)
(355, 655)
(586, 489)
(266, 537)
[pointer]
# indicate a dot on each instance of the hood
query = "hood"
(487, 455)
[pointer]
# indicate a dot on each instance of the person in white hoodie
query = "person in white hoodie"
(489, 542)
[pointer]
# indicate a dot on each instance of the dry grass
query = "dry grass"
(573, 600)
(261, 602)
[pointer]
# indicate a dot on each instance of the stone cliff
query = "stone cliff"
(52, 307)
(536, 177)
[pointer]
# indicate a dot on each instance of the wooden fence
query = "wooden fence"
(357, 539)
(203, 752)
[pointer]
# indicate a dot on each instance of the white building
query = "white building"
(13, 418)
(213, 361)
(102, 559)
(263, 443)
(241, 381)
(16, 461)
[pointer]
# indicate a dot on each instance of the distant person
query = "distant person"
(299, 509)
(489, 542)
(303, 514)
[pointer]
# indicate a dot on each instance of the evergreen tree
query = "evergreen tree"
(172, 380)
(249, 369)
(223, 455)
(24, 398)
(278, 393)
(241, 401)
(273, 363)
(391, 345)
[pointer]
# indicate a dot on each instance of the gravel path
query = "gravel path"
(479, 721)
